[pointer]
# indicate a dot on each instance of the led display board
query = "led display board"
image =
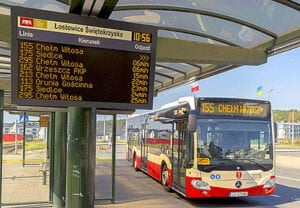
(64, 60)
(238, 108)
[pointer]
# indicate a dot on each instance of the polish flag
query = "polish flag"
(194, 87)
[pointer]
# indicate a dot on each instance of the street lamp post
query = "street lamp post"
(293, 126)
(269, 93)
(104, 128)
(16, 138)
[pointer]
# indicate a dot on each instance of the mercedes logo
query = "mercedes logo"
(238, 184)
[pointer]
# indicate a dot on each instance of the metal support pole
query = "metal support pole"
(50, 135)
(59, 157)
(80, 191)
(1, 139)
(24, 135)
(47, 140)
(293, 133)
(16, 138)
(92, 151)
(113, 172)
(104, 128)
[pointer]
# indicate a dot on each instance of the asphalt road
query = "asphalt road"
(287, 189)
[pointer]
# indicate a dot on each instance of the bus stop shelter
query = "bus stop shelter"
(196, 39)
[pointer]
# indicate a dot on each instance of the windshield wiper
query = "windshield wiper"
(208, 168)
(264, 167)
(223, 162)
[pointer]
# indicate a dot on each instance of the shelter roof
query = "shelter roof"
(197, 38)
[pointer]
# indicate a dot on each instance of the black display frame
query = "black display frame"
(82, 20)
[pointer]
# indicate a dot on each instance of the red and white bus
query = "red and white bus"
(206, 147)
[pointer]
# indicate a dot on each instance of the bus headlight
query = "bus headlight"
(270, 183)
(200, 185)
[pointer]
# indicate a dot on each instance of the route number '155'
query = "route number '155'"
(208, 107)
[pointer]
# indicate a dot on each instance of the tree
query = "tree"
(292, 115)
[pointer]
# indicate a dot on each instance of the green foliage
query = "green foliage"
(109, 122)
(35, 145)
(292, 115)
(289, 142)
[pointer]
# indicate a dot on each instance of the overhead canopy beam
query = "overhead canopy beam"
(5, 28)
(174, 50)
(172, 69)
(76, 6)
(107, 8)
(192, 76)
(99, 8)
(289, 3)
(164, 75)
(195, 65)
(283, 43)
(197, 11)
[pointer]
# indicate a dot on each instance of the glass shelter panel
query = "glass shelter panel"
(263, 13)
(185, 36)
(103, 178)
(235, 33)
(104, 154)
(25, 176)
(50, 5)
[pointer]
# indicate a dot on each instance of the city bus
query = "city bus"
(206, 147)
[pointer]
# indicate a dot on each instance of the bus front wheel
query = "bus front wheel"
(165, 178)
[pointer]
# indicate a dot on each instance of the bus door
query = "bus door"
(179, 154)
(144, 148)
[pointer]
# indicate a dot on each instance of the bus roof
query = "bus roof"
(183, 100)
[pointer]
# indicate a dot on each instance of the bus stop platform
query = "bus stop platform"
(137, 189)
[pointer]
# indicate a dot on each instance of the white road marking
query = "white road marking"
(276, 195)
(293, 179)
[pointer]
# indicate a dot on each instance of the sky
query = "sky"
(279, 77)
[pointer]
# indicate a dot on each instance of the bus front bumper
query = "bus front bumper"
(220, 192)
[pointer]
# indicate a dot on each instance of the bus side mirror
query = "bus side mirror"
(192, 122)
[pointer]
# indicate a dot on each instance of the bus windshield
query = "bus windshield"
(232, 143)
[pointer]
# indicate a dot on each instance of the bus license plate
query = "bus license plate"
(237, 194)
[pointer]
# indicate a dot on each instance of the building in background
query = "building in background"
(104, 131)
(32, 129)
(288, 130)
(8, 128)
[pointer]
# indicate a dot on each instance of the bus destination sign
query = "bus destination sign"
(231, 108)
(64, 60)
